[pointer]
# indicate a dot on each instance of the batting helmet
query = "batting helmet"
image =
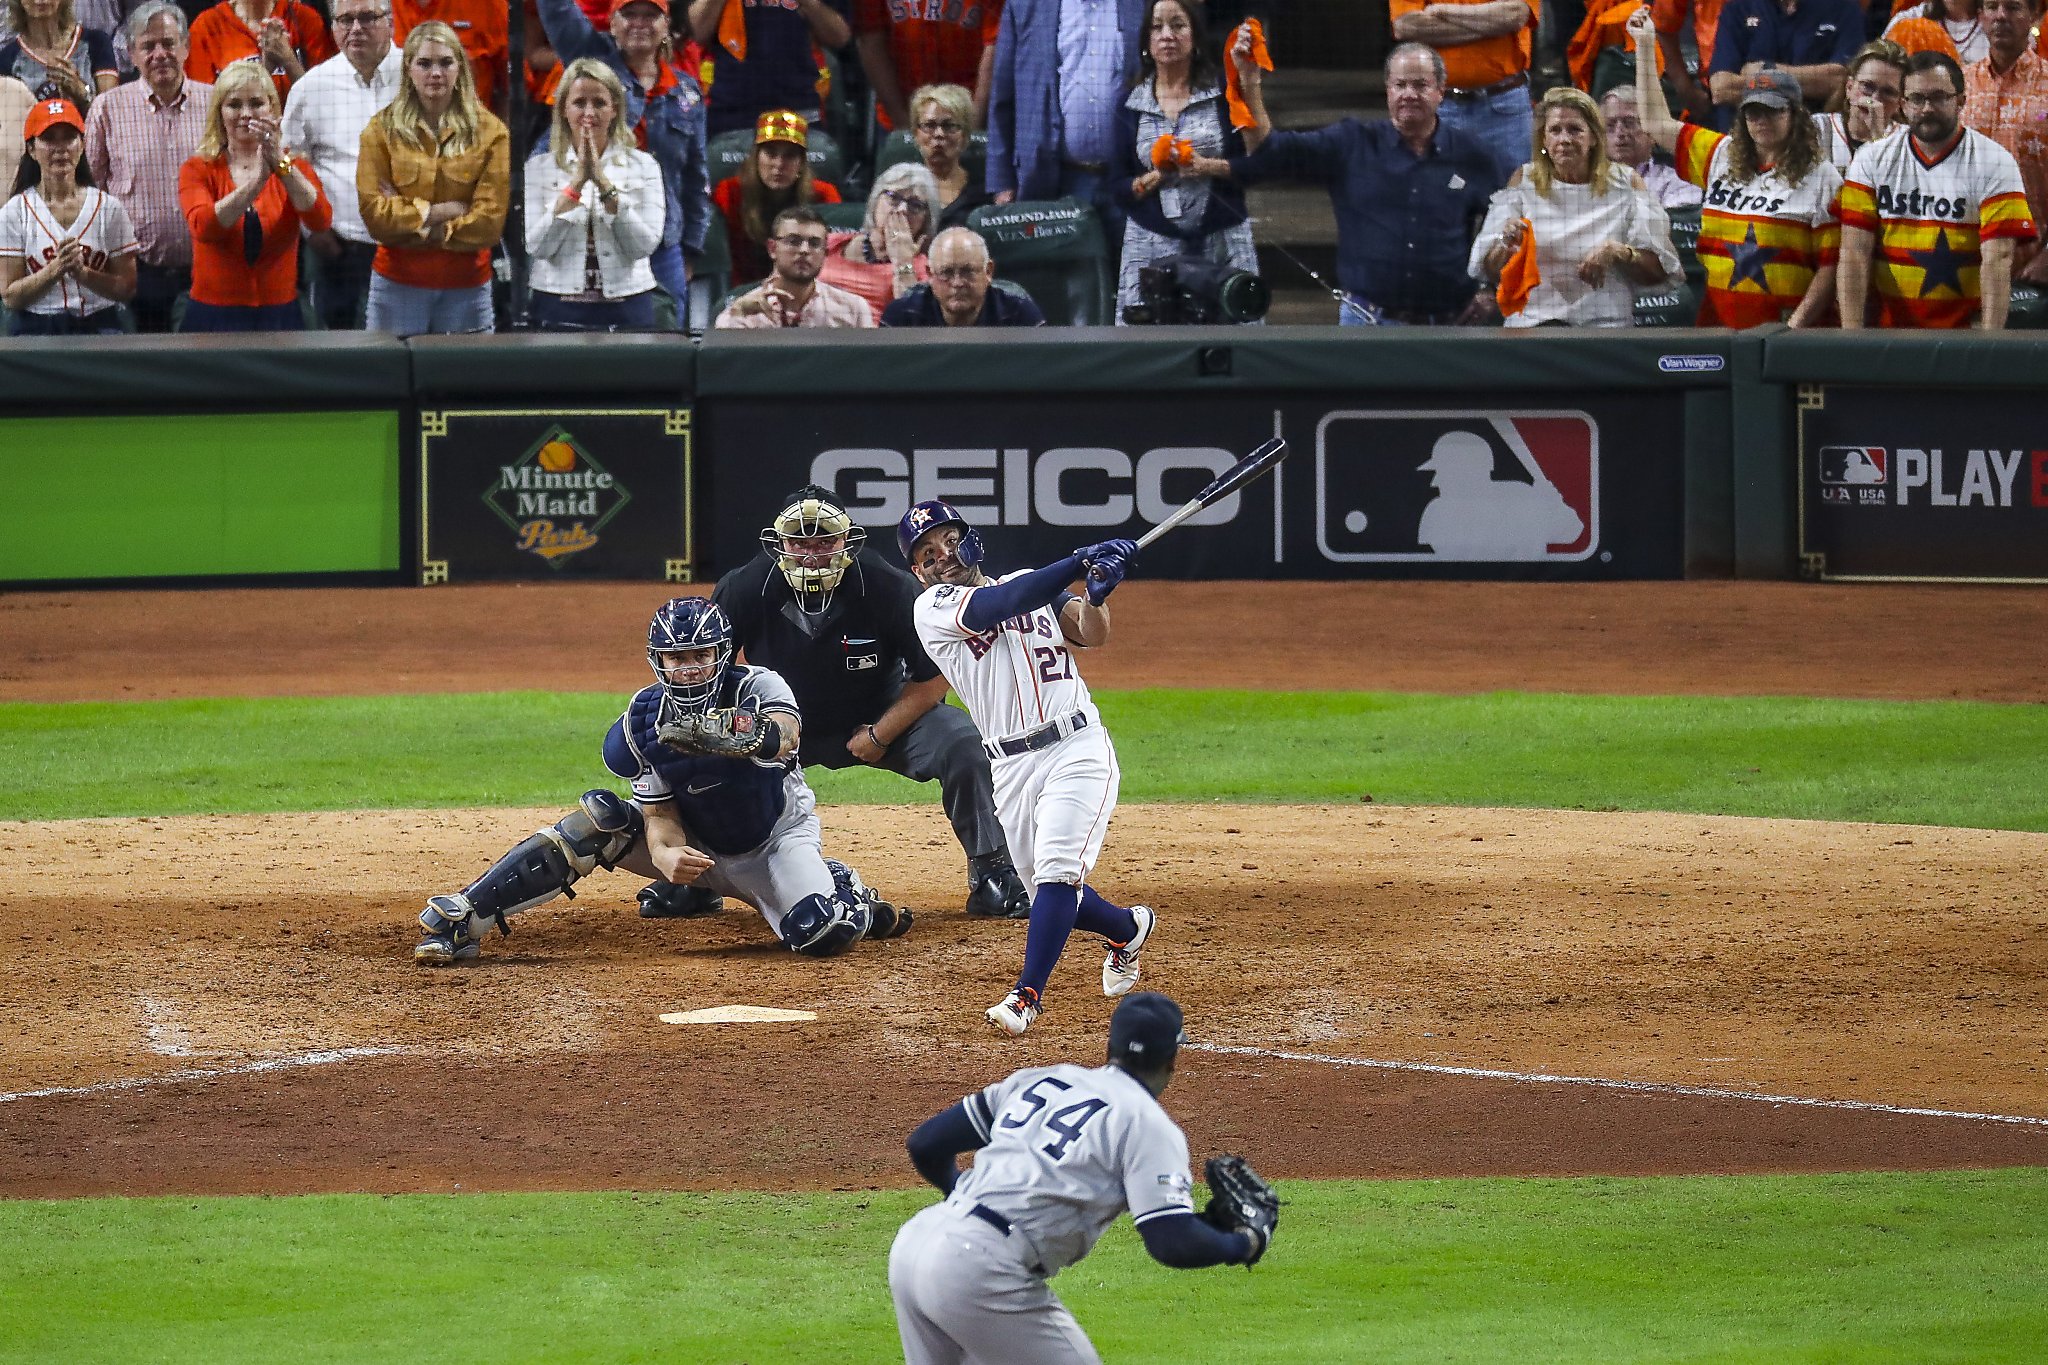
(689, 623)
(813, 569)
(929, 516)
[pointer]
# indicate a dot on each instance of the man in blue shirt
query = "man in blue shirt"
(1408, 194)
(962, 291)
(1812, 39)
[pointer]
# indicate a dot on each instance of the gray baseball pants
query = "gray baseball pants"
(963, 1294)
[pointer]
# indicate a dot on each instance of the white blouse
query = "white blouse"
(1568, 224)
(557, 245)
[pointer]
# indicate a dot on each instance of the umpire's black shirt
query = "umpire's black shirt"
(847, 665)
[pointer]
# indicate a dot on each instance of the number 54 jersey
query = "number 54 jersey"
(1070, 1148)
(1013, 678)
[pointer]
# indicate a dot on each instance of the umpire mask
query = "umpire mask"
(813, 541)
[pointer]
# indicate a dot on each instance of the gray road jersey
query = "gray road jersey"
(1070, 1148)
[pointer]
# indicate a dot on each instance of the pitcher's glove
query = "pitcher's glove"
(734, 732)
(1240, 1201)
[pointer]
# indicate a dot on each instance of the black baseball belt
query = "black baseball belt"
(1044, 737)
(1000, 1224)
(1482, 92)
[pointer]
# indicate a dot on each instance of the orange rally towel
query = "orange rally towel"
(1240, 112)
(732, 30)
(1519, 277)
(1172, 151)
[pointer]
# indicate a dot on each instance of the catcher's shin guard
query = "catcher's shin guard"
(540, 867)
(820, 926)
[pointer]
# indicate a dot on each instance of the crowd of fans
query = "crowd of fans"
(262, 165)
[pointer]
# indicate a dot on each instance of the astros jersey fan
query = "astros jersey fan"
(1929, 217)
(1761, 239)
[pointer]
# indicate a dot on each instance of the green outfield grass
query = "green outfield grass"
(1951, 763)
(1950, 1266)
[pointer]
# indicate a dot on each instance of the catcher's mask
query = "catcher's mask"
(1145, 1031)
(813, 541)
(925, 517)
(684, 624)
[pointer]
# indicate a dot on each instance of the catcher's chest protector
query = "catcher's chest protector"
(729, 805)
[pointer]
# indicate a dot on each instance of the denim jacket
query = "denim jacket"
(674, 123)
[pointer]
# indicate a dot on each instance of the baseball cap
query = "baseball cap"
(1771, 87)
(782, 125)
(48, 114)
(618, 5)
(1145, 1031)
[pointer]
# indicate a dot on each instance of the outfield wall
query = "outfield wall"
(1416, 453)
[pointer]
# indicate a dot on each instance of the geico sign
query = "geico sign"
(1066, 486)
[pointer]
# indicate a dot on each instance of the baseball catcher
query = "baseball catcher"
(836, 624)
(718, 801)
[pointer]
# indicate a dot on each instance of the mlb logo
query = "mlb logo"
(1847, 466)
(1478, 487)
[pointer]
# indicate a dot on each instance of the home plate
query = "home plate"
(739, 1014)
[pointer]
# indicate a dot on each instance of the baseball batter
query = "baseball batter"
(1061, 1151)
(1007, 648)
(717, 800)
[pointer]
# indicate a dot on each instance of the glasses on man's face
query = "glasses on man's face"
(1932, 100)
(939, 127)
(1871, 90)
(1403, 87)
(361, 18)
(796, 241)
(957, 274)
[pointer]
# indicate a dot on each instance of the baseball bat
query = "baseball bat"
(1222, 486)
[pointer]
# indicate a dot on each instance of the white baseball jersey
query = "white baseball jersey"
(1053, 803)
(29, 232)
(1070, 1148)
(1013, 678)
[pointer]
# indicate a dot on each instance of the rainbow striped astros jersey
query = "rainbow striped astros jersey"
(1761, 240)
(1928, 218)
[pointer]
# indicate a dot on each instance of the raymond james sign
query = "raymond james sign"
(557, 492)
(1898, 483)
(1565, 487)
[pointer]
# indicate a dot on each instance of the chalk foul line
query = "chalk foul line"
(206, 1073)
(1705, 1092)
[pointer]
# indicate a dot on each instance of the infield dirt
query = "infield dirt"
(1895, 966)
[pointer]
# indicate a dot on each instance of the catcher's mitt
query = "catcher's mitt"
(734, 732)
(1240, 1201)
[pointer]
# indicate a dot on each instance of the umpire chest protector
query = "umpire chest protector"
(729, 805)
(846, 664)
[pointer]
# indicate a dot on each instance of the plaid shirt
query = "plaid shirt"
(135, 145)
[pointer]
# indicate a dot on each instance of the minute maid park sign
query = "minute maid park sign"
(555, 497)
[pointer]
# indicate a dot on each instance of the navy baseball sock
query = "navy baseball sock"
(1052, 919)
(1099, 915)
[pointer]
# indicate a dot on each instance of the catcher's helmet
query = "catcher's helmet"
(687, 623)
(929, 516)
(812, 514)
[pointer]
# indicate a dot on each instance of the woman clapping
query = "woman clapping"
(67, 251)
(594, 211)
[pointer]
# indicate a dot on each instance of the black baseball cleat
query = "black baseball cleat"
(665, 900)
(998, 893)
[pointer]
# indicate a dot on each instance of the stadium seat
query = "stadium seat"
(1667, 305)
(842, 217)
(1685, 235)
(2029, 312)
(899, 147)
(711, 277)
(726, 153)
(1054, 248)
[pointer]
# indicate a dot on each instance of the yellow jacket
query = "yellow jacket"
(480, 177)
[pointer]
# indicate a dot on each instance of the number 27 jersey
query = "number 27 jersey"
(1014, 677)
(1070, 1148)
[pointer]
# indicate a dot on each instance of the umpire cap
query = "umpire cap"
(1145, 1031)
